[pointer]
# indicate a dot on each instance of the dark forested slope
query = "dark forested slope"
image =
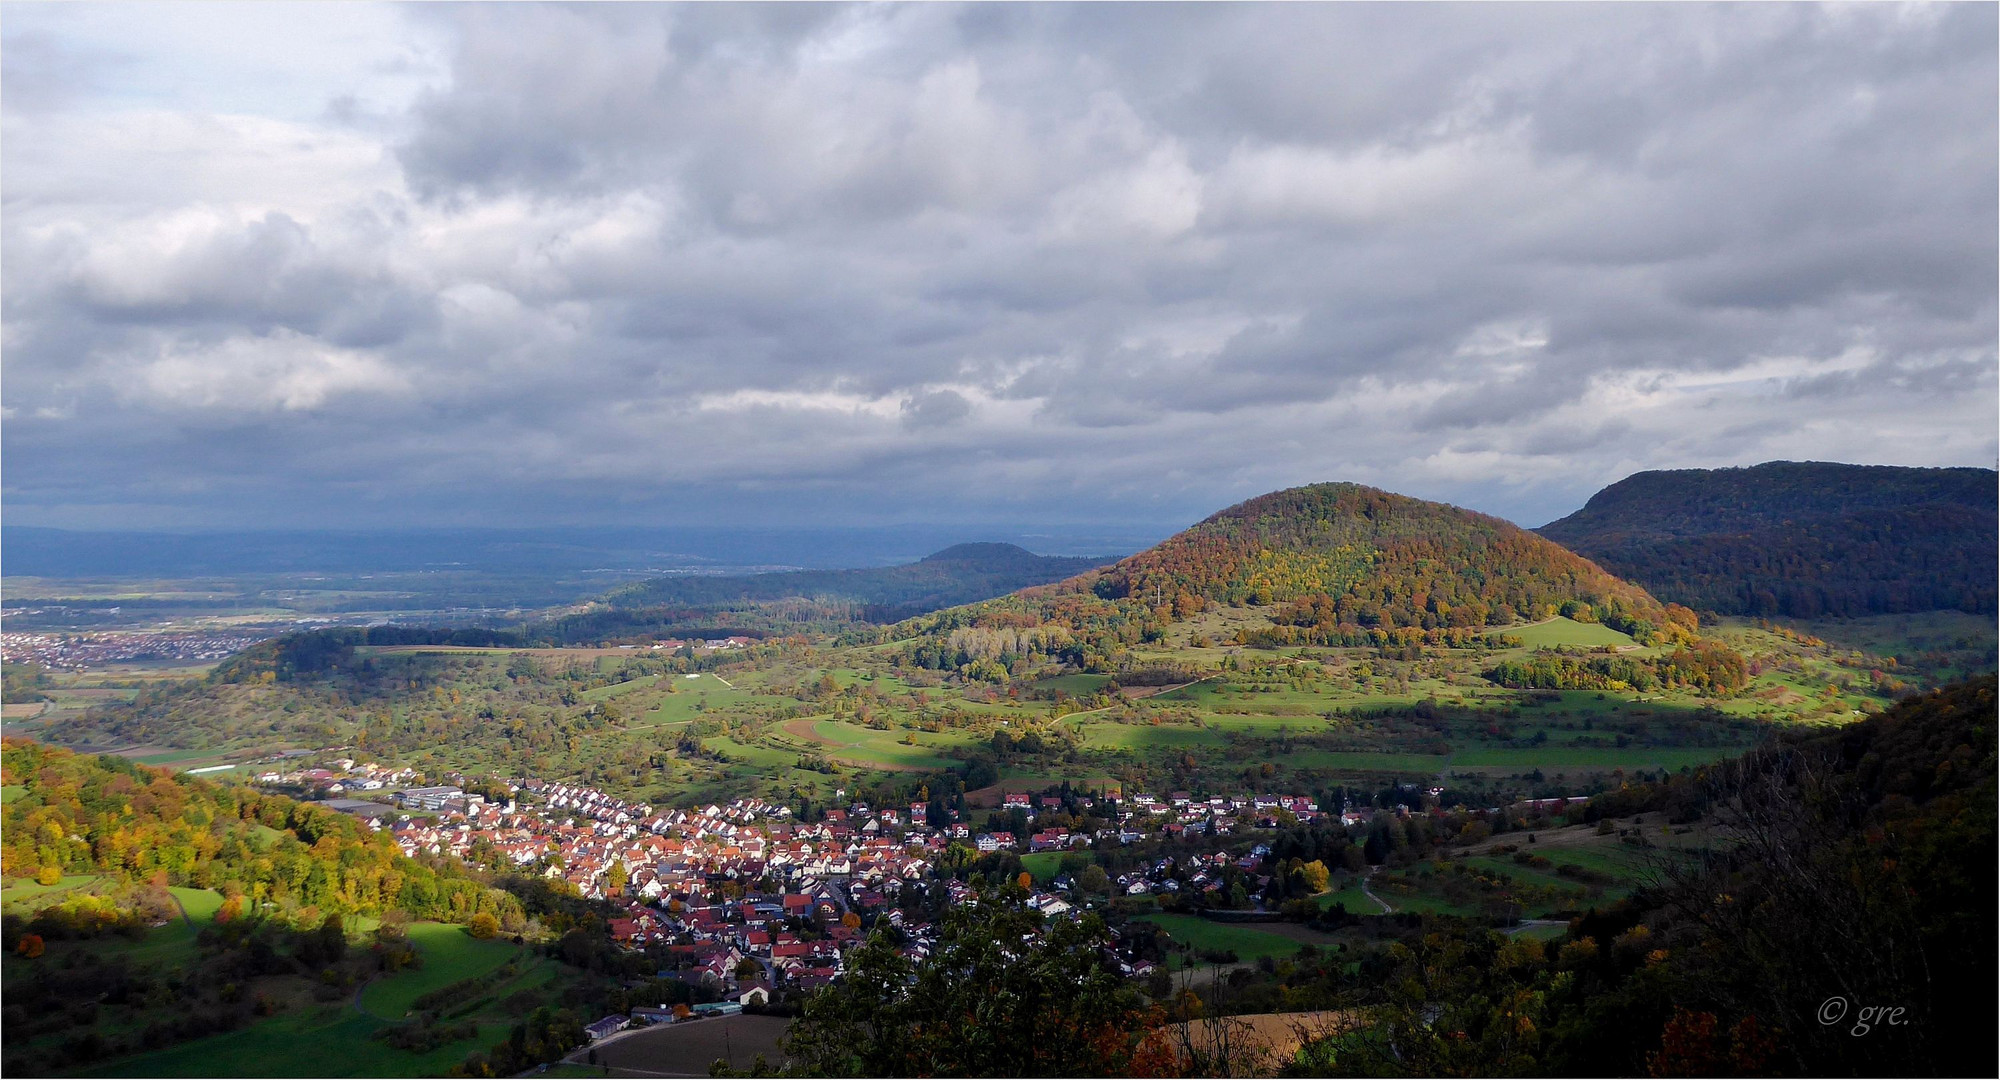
(1803, 539)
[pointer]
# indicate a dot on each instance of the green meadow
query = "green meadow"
(450, 954)
(1249, 944)
(852, 742)
(328, 1040)
(1559, 631)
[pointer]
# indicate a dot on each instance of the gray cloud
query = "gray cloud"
(666, 263)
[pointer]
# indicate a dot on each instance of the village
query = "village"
(82, 652)
(749, 903)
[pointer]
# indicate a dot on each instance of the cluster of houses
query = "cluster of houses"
(698, 644)
(747, 900)
(81, 652)
(340, 777)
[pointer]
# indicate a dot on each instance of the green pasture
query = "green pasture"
(856, 743)
(28, 894)
(1262, 697)
(450, 954)
(1624, 862)
(1249, 943)
(1365, 761)
(1503, 866)
(330, 1040)
(1555, 759)
(1351, 897)
(167, 945)
(1043, 866)
(1105, 736)
(1413, 896)
(606, 693)
(1559, 632)
(750, 753)
(1077, 685)
(691, 698)
(1265, 724)
(845, 677)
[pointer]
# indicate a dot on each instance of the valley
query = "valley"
(1253, 758)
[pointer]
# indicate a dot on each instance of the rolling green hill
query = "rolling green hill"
(1798, 539)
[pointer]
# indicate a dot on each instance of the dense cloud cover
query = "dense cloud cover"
(348, 265)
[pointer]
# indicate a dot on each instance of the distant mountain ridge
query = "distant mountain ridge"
(1803, 539)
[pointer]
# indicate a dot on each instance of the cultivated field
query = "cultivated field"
(690, 1047)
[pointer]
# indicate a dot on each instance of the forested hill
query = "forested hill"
(1334, 564)
(87, 815)
(957, 575)
(1383, 559)
(1803, 539)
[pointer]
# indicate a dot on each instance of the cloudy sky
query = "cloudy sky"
(294, 265)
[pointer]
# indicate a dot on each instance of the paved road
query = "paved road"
(1370, 894)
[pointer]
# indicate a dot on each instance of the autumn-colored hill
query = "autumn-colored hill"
(1382, 559)
(1333, 564)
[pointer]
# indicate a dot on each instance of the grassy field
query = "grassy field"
(884, 749)
(1559, 631)
(26, 894)
(450, 954)
(1350, 896)
(750, 753)
(1074, 685)
(1554, 759)
(1414, 900)
(330, 1040)
(1147, 736)
(606, 693)
(1042, 865)
(177, 757)
(170, 945)
(1248, 943)
(1363, 761)
(691, 698)
(337, 1039)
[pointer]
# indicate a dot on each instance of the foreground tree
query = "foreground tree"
(1005, 993)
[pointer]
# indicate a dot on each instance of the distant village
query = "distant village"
(81, 652)
(747, 899)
